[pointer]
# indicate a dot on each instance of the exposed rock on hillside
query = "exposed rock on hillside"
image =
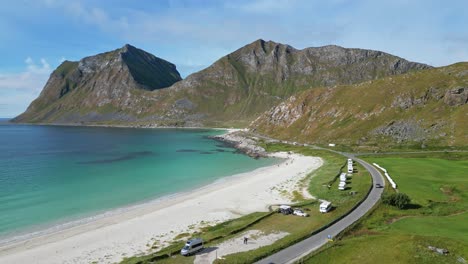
(99, 86)
(123, 86)
(427, 106)
(457, 96)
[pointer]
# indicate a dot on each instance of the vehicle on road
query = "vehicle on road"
(192, 246)
(299, 212)
(378, 185)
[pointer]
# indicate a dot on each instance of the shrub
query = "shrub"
(400, 200)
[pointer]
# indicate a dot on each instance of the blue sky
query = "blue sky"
(36, 35)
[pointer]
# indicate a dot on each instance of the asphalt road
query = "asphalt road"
(305, 247)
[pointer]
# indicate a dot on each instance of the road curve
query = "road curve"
(305, 247)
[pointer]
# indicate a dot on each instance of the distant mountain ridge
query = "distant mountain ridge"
(125, 85)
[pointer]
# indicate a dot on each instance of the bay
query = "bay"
(56, 174)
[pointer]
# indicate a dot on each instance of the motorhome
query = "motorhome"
(192, 246)
(285, 209)
(343, 177)
(325, 206)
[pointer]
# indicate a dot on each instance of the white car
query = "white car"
(299, 212)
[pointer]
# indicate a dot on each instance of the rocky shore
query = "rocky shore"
(242, 141)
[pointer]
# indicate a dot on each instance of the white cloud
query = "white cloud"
(17, 90)
(263, 6)
(90, 15)
(32, 78)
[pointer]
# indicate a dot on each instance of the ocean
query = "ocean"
(51, 175)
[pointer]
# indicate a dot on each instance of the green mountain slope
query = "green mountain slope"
(427, 107)
(232, 91)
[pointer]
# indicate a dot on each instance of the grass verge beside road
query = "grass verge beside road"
(437, 216)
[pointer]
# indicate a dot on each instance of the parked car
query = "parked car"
(299, 212)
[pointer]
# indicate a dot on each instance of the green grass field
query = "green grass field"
(438, 215)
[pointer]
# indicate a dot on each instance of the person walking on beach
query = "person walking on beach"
(245, 240)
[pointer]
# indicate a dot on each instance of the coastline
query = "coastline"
(129, 232)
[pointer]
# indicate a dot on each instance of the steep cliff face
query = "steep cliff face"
(122, 86)
(424, 108)
(105, 80)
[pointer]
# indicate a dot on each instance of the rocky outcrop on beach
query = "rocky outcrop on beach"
(243, 142)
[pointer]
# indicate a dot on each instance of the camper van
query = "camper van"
(343, 177)
(325, 206)
(192, 246)
(285, 209)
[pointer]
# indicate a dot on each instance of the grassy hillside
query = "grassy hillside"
(438, 215)
(419, 109)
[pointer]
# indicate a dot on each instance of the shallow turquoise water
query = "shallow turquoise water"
(50, 175)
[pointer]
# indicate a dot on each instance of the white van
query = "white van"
(192, 246)
(325, 206)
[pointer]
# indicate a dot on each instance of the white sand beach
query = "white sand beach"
(131, 232)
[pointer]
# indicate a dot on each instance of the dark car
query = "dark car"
(378, 185)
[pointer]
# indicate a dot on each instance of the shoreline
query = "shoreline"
(127, 231)
(9, 121)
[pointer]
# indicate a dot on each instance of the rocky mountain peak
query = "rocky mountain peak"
(103, 80)
(239, 86)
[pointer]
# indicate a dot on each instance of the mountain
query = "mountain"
(115, 88)
(240, 86)
(103, 82)
(424, 108)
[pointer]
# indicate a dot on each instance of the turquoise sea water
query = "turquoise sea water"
(51, 175)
